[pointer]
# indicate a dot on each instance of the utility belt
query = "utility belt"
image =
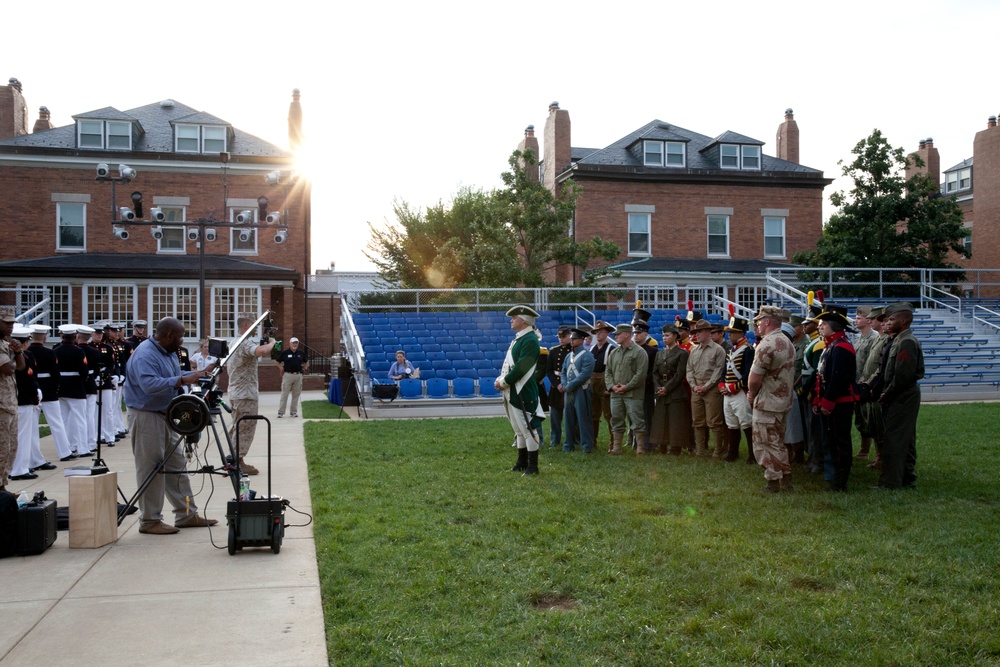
(41, 376)
(293, 372)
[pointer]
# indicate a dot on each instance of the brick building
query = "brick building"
(68, 238)
(694, 215)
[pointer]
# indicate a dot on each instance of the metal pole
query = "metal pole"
(201, 282)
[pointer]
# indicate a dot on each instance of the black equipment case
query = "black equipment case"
(36, 527)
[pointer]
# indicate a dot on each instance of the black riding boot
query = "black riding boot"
(532, 468)
(522, 461)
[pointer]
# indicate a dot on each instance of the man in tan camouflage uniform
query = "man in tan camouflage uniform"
(11, 361)
(243, 392)
(769, 391)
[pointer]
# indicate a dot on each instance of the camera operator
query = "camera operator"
(243, 388)
(291, 364)
(153, 379)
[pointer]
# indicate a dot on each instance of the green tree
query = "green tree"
(886, 220)
(503, 238)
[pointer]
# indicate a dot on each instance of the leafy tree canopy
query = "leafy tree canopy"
(502, 238)
(886, 220)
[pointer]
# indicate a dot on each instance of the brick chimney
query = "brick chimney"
(44, 121)
(13, 110)
(986, 184)
(295, 122)
(932, 161)
(530, 143)
(557, 145)
(788, 139)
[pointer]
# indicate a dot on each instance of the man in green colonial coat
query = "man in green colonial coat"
(520, 391)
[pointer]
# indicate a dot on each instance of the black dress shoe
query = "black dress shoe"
(71, 457)
(47, 466)
(19, 478)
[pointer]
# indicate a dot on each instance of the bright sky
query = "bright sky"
(412, 101)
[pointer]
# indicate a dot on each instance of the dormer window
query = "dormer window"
(199, 139)
(663, 153)
(960, 179)
(104, 134)
(739, 156)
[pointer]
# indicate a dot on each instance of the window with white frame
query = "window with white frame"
(729, 156)
(227, 303)
(739, 156)
(702, 297)
(114, 303)
(774, 236)
(751, 297)
(101, 134)
(718, 235)
(675, 153)
(656, 296)
(213, 139)
(639, 225)
(652, 153)
(187, 138)
(960, 179)
(59, 306)
(243, 240)
(180, 301)
(967, 239)
(72, 226)
(173, 233)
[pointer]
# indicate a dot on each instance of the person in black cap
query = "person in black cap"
(577, 370)
(835, 393)
(553, 370)
(640, 334)
(671, 427)
(601, 399)
(520, 391)
(900, 399)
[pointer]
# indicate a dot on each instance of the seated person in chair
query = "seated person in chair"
(401, 369)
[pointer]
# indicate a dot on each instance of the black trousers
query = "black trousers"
(837, 442)
(899, 442)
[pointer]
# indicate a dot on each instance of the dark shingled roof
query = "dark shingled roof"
(961, 165)
(137, 266)
(698, 265)
(618, 154)
(156, 122)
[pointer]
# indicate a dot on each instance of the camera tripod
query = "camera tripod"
(186, 417)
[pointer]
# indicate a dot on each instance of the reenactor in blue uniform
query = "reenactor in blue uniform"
(48, 383)
(71, 361)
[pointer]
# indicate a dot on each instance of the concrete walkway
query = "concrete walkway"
(172, 599)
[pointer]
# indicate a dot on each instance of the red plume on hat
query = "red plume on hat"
(820, 297)
(690, 315)
(732, 314)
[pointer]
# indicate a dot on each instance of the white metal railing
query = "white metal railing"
(978, 313)
(780, 291)
(37, 313)
(926, 296)
(723, 305)
(355, 351)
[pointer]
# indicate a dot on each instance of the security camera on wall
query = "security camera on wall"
(103, 170)
(126, 214)
(210, 234)
(156, 231)
(156, 214)
(192, 234)
(281, 236)
(120, 232)
(245, 217)
(245, 235)
(273, 218)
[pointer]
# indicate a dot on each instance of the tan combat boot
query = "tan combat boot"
(616, 444)
(640, 444)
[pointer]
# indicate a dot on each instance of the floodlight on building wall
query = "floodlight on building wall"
(281, 236)
(120, 232)
(126, 214)
(156, 214)
(245, 217)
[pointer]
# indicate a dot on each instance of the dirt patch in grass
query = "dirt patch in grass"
(553, 602)
(810, 584)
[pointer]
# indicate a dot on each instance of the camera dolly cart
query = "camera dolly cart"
(255, 522)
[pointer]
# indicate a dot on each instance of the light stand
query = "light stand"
(206, 226)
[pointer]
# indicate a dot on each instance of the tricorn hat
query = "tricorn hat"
(834, 312)
(526, 313)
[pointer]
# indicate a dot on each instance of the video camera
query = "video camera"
(269, 331)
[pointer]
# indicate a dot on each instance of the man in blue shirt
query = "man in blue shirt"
(154, 378)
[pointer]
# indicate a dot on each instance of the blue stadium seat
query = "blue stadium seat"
(486, 388)
(416, 355)
(431, 347)
(441, 364)
(373, 350)
(379, 367)
(447, 373)
(467, 373)
(474, 355)
(408, 342)
(487, 347)
(411, 389)
(464, 387)
(436, 356)
(424, 341)
(451, 347)
(437, 388)
(459, 364)
(485, 365)
(426, 372)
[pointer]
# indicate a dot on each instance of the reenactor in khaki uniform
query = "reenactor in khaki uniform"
(769, 391)
(625, 380)
(704, 372)
(601, 398)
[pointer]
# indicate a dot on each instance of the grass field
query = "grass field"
(432, 553)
